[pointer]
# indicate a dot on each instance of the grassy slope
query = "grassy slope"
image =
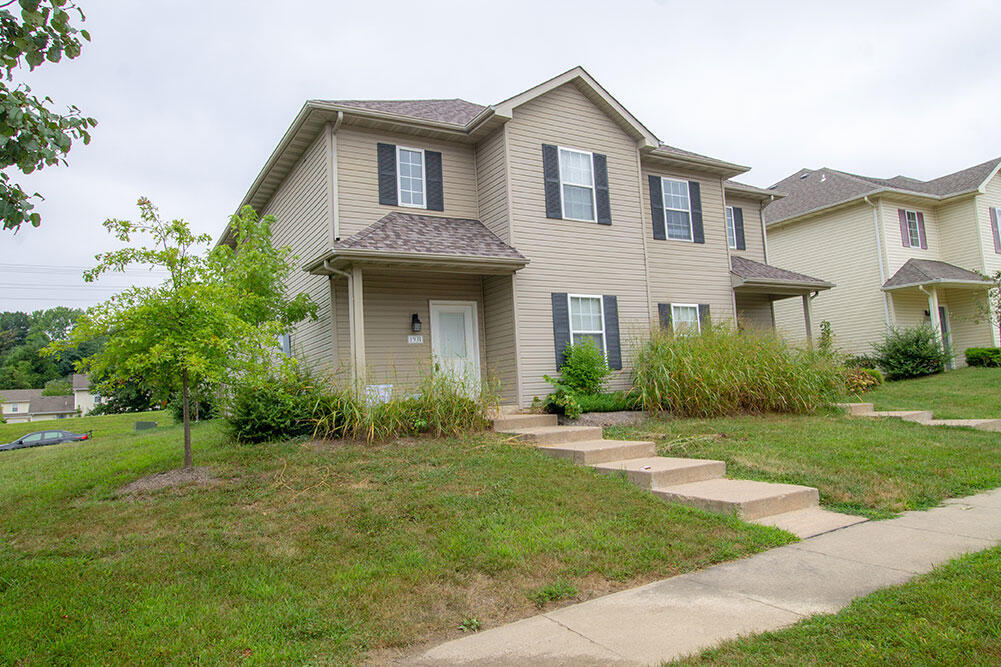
(948, 617)
(871, 467)
(313, 553)
(965, 393)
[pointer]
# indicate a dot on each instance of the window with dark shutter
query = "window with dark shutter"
(561, 325)
(695, 196)
(703, 315)
(664, 311)
(601, 189)
(432, 167)
(613, 347)
(922, 238)
(551, 174)
(905, 236)
(657, 208)
(387, 174)
(738, 228)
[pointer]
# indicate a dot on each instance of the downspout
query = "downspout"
(334, 218)
(879, 258)
(351, 338)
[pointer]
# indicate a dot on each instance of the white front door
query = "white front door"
(455, 341)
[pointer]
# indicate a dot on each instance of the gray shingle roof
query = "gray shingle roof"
(19, 395)
(49, 404)
(810, 190)
(925, 271)
(81, 381)
(456, 111)
(749, 269)
(427, 234)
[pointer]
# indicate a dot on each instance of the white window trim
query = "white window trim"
(663, 200)
(674, 320)
(731, 227)
(424, 178)
(594, 189)
(917, 229)
(601, 303)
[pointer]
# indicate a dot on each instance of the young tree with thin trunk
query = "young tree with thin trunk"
(218, 314)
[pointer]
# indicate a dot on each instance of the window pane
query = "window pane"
(585, 314)
(679, 225)
(675, 194)
(411, 169)
(731, 234)
(685, 318)
(912, 228)
(578, 202)
(575, 168)
(599, 340)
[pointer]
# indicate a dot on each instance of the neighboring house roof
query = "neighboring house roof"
(45, 405)
(751, 272)
(456, 111)
(19, 395)
(812, 190)
(80, 381)
(408, 235)
(916, 272)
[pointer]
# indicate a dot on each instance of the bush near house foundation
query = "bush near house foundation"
(726, 371)
(911, 352)
(983, 356)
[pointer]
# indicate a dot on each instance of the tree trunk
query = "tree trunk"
(187, 418)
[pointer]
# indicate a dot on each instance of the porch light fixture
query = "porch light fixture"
(415, 323)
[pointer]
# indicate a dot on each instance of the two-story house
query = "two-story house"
(902, 251)
(484, 239)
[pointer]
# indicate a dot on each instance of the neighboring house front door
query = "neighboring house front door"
(454, 341)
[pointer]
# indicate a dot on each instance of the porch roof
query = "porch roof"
(921, 272)
(423, 240)
(749, 276)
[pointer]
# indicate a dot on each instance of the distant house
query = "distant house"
(28, 405)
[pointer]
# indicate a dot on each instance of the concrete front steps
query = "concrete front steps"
(919, 416)
(694, 482)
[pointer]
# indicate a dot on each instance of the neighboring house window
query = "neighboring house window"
(913, 232)
(13, 408)
(410, 174)
(577, 185)
(285, 344)
(677, 209)
(587, 320)
(685, 317)
(731, 231)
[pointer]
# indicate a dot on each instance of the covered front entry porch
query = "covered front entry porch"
(756, 286)
(952, 300)
(400, 315)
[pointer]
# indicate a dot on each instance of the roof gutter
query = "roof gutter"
(986, 284)
(379, 255)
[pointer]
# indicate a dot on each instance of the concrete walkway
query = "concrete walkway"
(688, 613)
(925, 417)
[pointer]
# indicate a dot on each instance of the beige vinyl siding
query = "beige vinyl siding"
(991, 198)
(301, 209)
(753, 238)
(969, 326)
(687, 272)
(839, 247)
(501, 349)
(571, 256)
(959, 234)
(755, 310)
(391, 297)
(358, 178)
(896, 253)
(491, 184)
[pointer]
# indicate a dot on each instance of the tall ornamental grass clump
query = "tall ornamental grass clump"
(725, 371)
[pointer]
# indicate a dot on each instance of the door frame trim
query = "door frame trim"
(475, 306)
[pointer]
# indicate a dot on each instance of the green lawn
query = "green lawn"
(872, 467)
(951, 616)
(965, 393)
(307, 553)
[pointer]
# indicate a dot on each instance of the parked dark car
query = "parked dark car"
(42, 438)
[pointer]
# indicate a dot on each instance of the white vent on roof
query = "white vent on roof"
(804, 175)
(823, 177)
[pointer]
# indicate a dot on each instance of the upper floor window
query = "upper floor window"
(587, 320)
(731, 229)
(677, 209)
(410, 168)
(913, 231)
(577, 185)
(685, 317)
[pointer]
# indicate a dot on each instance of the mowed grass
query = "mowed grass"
(951, 616)
(302, 552)
(871, 467)
(965, 393)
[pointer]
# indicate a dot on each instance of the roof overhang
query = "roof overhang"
(776, 288)
(945, 283)
(752, 192)
(904, 196)
(334, 260)
(667, 158)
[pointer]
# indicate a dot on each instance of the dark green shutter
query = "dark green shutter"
(657, 208)
(604, 208)
(613, 346)
(432, 172)
(561, 325)
(387, 174)
(738, 228)
(664, 310)
(703, 314)
(551, 174)
(695, 198)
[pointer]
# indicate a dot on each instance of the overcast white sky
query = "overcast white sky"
(192, 97)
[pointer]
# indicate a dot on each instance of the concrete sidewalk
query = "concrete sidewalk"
(685, 614)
